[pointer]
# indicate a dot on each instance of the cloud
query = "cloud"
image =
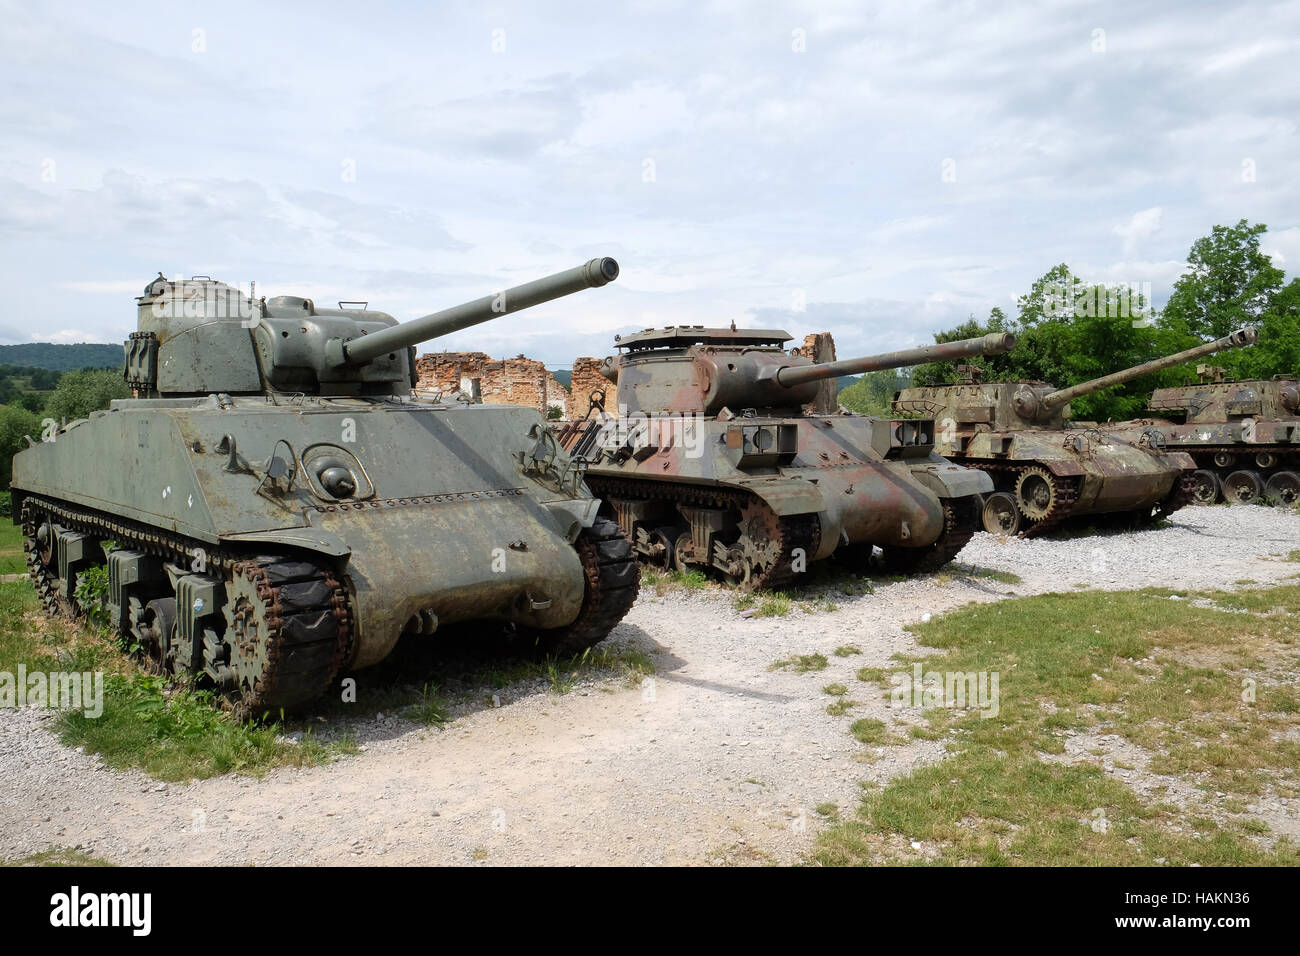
(1141, 225)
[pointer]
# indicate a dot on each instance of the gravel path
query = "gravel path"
(716, 759)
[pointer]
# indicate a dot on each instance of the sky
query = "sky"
(881, 171)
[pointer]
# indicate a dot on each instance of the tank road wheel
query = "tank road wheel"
(1000, 514)
(1242, 487)
(287, 630)
(612, 583)
(663, 541)
(1035, 493)
(754, 556)
(1283, 489)
(1205, 487)
(960, 520)
(1264, 460)
(1223, 459)
(682, 551)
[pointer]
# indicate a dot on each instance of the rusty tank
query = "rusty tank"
(712, 463)
(275, 506)
(1243, 435)
(1046, 468)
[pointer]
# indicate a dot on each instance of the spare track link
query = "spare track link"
(797, 531)
(1065, 491)
(306, 603)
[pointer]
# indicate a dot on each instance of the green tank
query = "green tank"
(713, 463)
(1046, 468)
(275, 506)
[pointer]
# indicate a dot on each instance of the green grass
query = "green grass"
(974, 571)
(665, 582)
(57, 856)
(847, 650)
(801, 663)
(869, 730)
(1165, 675)
(11, 548)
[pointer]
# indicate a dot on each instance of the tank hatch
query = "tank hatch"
(681, 336)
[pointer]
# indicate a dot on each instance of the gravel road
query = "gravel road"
(715, 759)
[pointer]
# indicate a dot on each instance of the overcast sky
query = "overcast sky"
(879, 170)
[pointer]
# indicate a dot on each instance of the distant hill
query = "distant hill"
(62, 358)
(564, 376)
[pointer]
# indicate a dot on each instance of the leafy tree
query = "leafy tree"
(1068, 332)
(872, 393)
(1229, 283)
(80, 393)
(15, 423)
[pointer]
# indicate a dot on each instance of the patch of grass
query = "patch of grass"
(823, 606)
(827, 809)
(1166, 675)
(431, 709)
(869, 730)
(664, 582)
(12, 560)
(801, 663)
(840, 707)
(993, 574)
(847, 650)
(58, 856)
(1294, 555)
(835, 690)
(872, 675)
(744, 600)
(776, 604)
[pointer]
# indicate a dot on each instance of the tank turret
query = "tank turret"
(200, 337)
(691, 369)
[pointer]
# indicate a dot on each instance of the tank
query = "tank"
(1244, 436)
(1046, 468)
(713, 463)
(275, 507)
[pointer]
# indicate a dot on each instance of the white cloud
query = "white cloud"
(1141, 225)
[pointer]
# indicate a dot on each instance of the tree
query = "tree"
(1068, 332)
(873, 392)
(80, 393)
(1228, 283)
(16, 422)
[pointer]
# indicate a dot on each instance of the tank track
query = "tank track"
(308, 635)
(1180, 496)
(613, 582)
(1065, 492)
(1288, 459)
(791, 533)
(960, 522)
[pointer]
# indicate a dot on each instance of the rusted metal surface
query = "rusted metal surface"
(711, 462)
(277, 454)
(1244, 436)
(1020, 433)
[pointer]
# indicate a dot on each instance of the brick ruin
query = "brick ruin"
(525, 381)
(515, 381)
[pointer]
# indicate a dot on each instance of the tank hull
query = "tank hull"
(816, 484)
(455, 518)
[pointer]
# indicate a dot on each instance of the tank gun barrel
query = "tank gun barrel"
(363, 349)
(1237, 339)
(994, 343)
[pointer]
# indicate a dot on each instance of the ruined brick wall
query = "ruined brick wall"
(820, 347)
(586, 379)
(515, 381)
